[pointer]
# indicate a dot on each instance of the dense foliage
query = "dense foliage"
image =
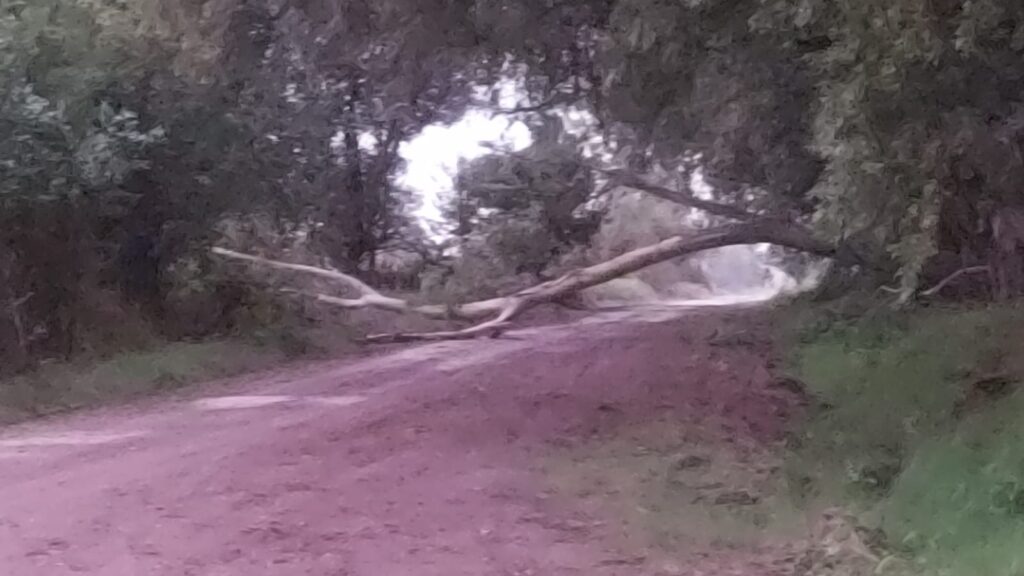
(134, 130)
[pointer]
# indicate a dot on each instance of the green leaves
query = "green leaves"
(889, 120)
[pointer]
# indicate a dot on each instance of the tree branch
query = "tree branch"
(622, 178)
(555, 100)
(351, 281)
(627, 180)
(368, 296)
(948, 279)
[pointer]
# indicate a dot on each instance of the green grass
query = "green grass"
(58, 387)
(960, 502)
(887, 442)
(161, 366)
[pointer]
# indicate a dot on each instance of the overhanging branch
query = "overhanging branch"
(685, 198)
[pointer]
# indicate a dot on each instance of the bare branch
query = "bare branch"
(369, 297)
(948, 279)
(618, 177)
(351, 281)
(468, 334)
(18, 302)
(937, 287)
(555, 100)
(627, 180)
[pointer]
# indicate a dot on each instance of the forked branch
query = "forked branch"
(952, 277)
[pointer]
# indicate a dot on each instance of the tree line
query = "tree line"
(138, 134)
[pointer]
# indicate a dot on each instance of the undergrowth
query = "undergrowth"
(144, 363)
(901, 432)
(159, 367)
(57, 387)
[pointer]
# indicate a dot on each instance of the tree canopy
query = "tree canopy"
(133, 128)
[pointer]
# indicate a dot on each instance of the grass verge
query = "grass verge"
(59, 387)
(920, 426)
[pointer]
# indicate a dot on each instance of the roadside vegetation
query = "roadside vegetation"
(916, 425)
(59, 387)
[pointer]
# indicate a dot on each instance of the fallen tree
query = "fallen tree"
(495, 314)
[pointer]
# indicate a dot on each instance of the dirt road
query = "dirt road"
(434, 460)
